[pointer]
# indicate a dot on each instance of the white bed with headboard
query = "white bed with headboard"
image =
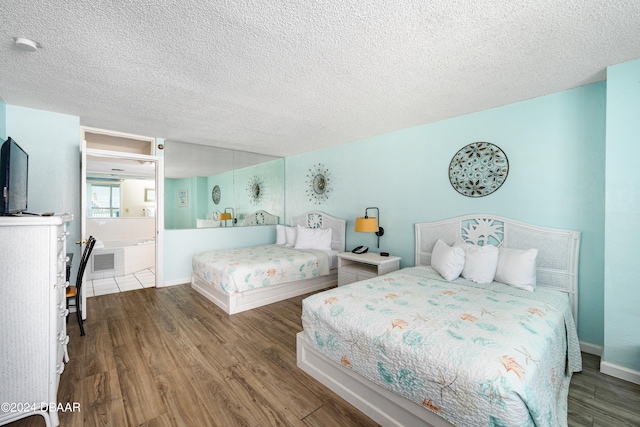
(234, 301)
(347, 365)
(558, 249)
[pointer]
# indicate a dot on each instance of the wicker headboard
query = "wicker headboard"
(260, 218)
(317, 219)
(558, 250)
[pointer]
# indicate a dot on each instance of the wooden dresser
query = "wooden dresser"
(33, 332)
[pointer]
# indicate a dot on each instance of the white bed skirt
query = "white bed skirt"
(258, 297)
(379, 404)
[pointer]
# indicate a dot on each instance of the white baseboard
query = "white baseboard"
(589, 348)
(620, 372)
(176, 282)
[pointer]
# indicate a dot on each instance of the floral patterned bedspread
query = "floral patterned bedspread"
(477, 355)
(241, 269)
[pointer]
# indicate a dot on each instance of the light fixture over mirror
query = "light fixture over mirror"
(216, 177)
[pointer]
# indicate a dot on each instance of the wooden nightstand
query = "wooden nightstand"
(355, 267)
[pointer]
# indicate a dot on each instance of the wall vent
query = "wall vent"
(104, 262)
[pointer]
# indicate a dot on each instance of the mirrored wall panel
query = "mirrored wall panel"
(217, 187)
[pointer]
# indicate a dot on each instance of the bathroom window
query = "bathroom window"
(105, 201)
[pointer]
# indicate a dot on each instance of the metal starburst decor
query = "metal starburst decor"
(318, 180)
(255, 189)
(478, 169)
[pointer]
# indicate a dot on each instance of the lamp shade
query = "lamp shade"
(367, 225)
(225, 216)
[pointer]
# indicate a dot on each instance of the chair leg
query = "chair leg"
(79, 314)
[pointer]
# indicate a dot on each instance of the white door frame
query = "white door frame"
(159, 179)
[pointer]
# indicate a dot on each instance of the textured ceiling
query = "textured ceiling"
(286, 77)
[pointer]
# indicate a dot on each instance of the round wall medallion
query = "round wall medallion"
(478, 169)
(318, 180)
(215, 194)
(255, 190)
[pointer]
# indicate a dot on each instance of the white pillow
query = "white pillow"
(281, 234)
(480, 262)
(313, 238)
(446, 260)
(517, 267)
(291, 234)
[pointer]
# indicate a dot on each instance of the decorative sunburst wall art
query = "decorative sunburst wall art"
(255, 189)
(478, 169)
(318, 180)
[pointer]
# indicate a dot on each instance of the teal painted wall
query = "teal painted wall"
(181, 216)
(203, 197)
(622, 292)
(555, 145)
(52, 141)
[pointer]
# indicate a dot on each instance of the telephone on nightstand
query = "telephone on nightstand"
(360, 250)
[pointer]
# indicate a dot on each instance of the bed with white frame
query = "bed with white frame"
(556, 268)
(240, 301)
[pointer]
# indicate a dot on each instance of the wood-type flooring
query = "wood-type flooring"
(169, 357)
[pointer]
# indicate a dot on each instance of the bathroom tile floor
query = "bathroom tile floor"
(138, 280)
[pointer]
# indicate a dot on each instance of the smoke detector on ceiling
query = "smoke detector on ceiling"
(25, 44)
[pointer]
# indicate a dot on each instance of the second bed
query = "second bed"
(244, 278)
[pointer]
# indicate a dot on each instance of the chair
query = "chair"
(73, 292)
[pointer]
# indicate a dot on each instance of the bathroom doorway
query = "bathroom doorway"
(121, 192)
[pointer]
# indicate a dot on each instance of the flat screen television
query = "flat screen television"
(14, 173)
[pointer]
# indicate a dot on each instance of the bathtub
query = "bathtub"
(120, 258)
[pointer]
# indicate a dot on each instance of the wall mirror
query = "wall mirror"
(208, 186)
